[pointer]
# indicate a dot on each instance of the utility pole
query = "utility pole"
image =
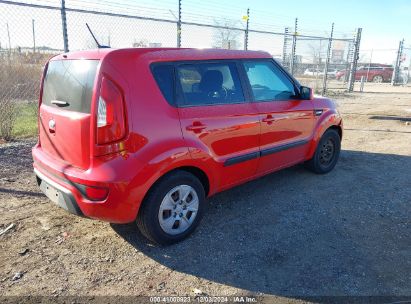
(408, 72)
(350, 53)
(8, 35)
(292, 68)
(246, 30)
(369, 65)
(179, 25)
(327, 60)
(285, 45)
(356, 56)
(64, 25)
(34, 36)
(394, 78)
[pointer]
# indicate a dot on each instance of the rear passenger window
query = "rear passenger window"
(210, 83)
(164, 76)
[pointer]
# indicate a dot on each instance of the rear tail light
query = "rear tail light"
(96, 193)
(102, 113)
(110, 113)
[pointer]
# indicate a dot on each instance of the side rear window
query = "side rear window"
(68, 84)
(164, 76)
(206, 83)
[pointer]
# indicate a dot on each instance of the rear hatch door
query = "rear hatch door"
(65, 111)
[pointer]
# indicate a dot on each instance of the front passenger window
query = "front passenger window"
(268, 82)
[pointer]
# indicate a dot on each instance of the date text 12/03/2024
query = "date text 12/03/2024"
(203, 299)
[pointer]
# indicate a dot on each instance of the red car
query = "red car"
(146, 135)
(373, 73)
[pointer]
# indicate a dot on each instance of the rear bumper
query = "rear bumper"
(120, 205)
(64, 197)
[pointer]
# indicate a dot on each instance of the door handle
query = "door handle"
(196, 127)
(269, 119)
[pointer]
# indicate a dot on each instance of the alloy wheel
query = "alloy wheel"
(178, 209)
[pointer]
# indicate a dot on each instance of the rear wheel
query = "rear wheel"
(378, 79)
(327, 153)
(172, 209)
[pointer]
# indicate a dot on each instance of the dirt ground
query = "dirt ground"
(290, 234)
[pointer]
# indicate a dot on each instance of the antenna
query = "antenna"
(95, 39)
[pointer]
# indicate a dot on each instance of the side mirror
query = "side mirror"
(306, 93)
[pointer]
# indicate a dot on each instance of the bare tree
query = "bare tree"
(316, 50)
(224, 35)
(314, 53)
(141, 43)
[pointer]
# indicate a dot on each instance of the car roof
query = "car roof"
(164, 54)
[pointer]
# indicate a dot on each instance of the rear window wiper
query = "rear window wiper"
(60, 103)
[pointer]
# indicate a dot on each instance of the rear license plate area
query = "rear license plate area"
(52, 193)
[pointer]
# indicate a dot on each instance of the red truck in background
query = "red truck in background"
(380, 73)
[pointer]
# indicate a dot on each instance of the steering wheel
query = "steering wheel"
(223, 93)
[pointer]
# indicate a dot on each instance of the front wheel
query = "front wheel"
(327, 153)
(172, 209)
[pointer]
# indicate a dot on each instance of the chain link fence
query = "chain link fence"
(317, 63)
(33, 31)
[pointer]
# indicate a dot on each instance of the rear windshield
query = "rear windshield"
(69, 84)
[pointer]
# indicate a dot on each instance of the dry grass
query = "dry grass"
(20, 76)
(8, 113)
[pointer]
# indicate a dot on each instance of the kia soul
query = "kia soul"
(146, 135)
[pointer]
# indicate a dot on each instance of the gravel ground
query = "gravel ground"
(290, 234)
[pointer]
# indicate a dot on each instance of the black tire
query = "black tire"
(148, 220)
(325, 160)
